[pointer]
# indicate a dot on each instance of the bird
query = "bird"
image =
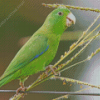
(37, 53)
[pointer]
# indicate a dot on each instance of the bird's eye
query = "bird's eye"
(60, 13)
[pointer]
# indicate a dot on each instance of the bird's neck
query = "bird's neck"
(52, 30)
(55, 28)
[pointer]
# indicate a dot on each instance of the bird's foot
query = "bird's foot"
(23, 89)
(52, 69)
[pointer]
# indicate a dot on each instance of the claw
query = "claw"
(22, 88)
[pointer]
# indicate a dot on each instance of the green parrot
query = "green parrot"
(40, 49)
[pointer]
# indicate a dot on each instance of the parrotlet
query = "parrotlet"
(40, 49)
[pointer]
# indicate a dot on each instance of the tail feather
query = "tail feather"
(5, 80)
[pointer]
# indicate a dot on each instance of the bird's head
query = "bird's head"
(59, 19)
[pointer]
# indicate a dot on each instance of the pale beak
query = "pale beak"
(70, 19)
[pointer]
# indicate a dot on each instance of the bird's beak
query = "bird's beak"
(70, 19)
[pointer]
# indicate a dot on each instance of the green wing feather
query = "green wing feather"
(35, 46)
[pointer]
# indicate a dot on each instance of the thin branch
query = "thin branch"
(63, 65)
(51, 92)
(85, 32)
(74, 81)
(64, 96)
(88, 58)
(71, 7)
(92, 37)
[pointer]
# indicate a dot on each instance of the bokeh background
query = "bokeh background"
(21, 18)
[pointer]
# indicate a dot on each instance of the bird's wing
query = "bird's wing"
(33, 49)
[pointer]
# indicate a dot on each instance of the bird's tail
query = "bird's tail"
(5, 80)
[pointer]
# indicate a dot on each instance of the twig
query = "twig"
(64, 96)
(63, 65)
(75, 81)
(85, 32)
(71, 7)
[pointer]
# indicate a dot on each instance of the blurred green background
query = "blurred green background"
(21, 18)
